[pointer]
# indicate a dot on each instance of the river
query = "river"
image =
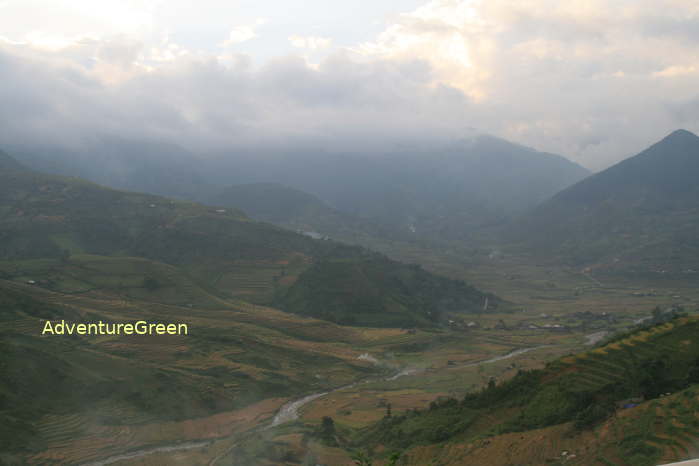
(290, 411)
(149, 451)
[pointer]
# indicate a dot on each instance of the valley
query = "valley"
(392, 233)
(304, 350)
(450, 362)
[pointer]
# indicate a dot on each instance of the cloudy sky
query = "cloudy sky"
(595, 81)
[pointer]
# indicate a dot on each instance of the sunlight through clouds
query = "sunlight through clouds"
(592, 80)
(310, 42)
(240, 34)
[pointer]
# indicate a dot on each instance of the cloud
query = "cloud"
(310, 42)
(596, 81)
(209, 104)
(591, 80)
(244, 33)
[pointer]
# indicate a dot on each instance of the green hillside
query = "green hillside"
(583, 392)
(376, 292)
(300, 211)
(70, 396)
(74, 236)
(640, 215)
(275, 203)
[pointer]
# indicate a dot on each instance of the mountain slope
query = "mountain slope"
(138, 165)
(444, 192)
(68, 220)
(8, 163)
(639, 214)
(375, 292)
(587, 405)
(73, 250)
(300, 211)
(69, 398)
(274, 203)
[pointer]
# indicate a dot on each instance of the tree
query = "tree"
(65, 255)
(327, 430)
(150, 284)
(361, 459)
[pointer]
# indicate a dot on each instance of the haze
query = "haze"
(595, 82)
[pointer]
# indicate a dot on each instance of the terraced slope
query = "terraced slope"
(76, 397)
(655, 432)
(593, 392)
(74, 250)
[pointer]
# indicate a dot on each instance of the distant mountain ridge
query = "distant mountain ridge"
(9, 163)
(57, 219)
(300, 211)
(641, 213)
(667, 168)
(446, 191)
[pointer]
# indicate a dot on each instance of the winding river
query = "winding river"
(149, 451)
(290, 411)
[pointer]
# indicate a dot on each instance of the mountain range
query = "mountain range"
(221, 249)
(444, 192)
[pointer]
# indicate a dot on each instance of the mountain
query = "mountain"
(70, 220)
(275, 203)
(631, 401)
(300, 211)
(148, 166)
(76, 251)
(641, 214)
(444, 192)
(8, 163)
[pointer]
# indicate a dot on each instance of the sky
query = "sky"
(594, 81)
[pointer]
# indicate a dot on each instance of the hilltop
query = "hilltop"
(639, 215)
(380, 293)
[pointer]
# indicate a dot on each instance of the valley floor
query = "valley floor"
(558, 311)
